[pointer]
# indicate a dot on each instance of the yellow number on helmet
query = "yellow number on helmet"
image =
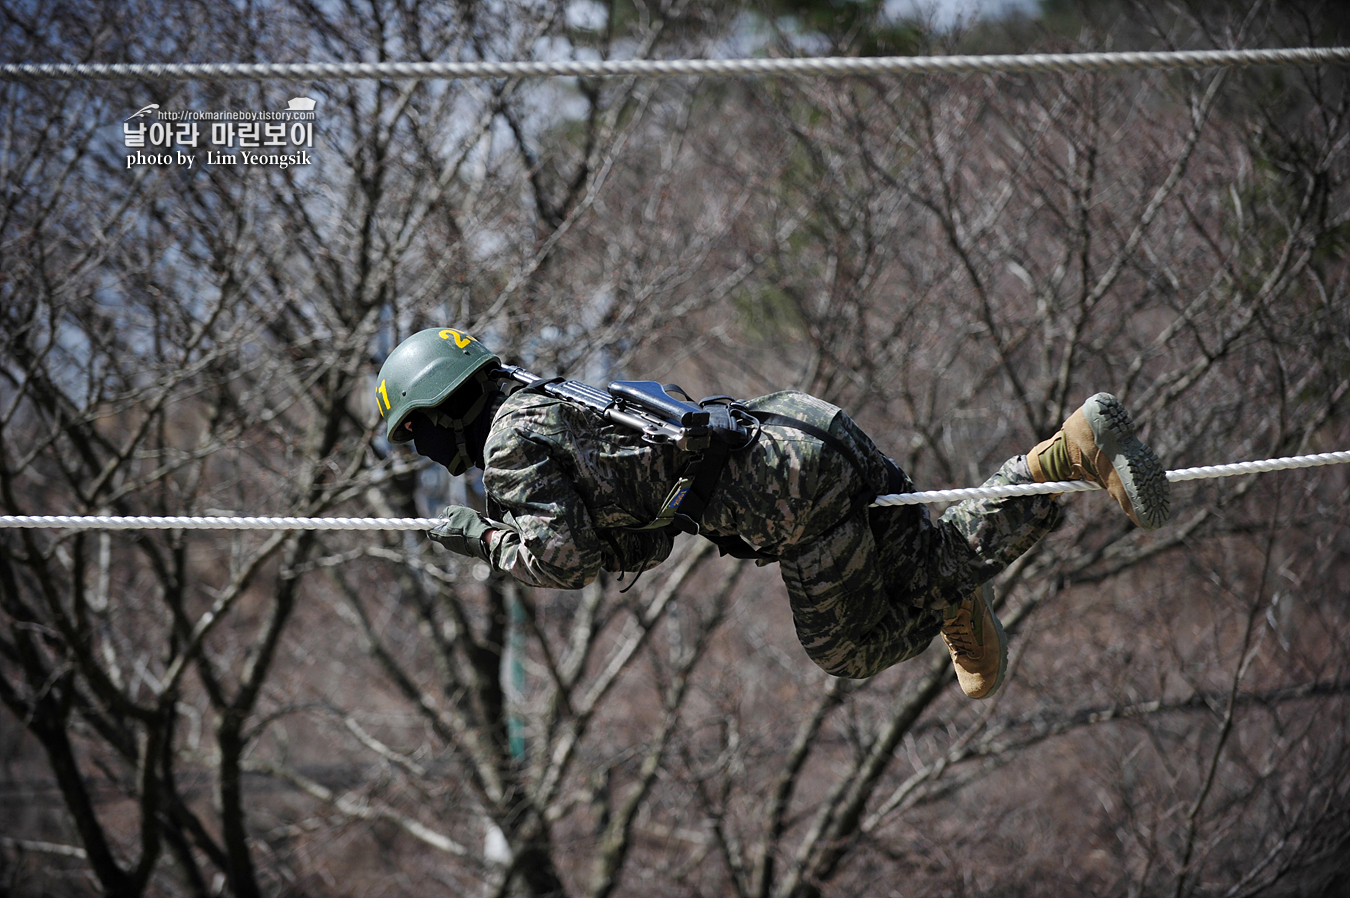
(385, 394)
(461, 339)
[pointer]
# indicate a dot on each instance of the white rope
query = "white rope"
(1200, 473)
(226, 522)
(211, 522)
(661, 68)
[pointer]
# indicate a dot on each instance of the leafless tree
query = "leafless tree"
(959, 261)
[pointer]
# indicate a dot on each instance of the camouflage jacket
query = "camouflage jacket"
(568, 484)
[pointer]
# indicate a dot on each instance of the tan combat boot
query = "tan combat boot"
(1097, 444)
(977, 643)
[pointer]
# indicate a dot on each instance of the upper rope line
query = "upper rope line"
(665, 68)
(234, 522)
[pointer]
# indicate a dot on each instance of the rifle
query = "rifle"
(710, 431)
(643, 405)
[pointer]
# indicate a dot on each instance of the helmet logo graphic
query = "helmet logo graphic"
(461, 339)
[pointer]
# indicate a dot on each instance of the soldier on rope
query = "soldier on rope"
(787, 478)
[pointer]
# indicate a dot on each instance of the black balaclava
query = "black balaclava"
(454, 433)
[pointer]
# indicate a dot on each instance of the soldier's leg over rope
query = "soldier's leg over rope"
(874, 590)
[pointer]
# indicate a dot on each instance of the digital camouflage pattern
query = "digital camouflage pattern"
(870, 593)
(566, 483)
(866, 585)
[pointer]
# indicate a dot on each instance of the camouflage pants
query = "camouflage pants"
(870, 592)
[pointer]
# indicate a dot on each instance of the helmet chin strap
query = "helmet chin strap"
(460, 463)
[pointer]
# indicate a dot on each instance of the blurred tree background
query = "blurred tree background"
(957, 260)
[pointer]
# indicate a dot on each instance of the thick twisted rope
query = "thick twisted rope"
(664, 68)
(1076, 486)
(229, 522)
(210, 522)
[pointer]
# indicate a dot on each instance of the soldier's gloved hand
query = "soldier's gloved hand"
(461, 530)
(634, 551)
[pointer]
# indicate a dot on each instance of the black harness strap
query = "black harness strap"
(819, 433)
(700, 477)
(711, 467)
(894, 477)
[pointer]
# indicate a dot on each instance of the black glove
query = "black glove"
(461, 531)
(633, 551)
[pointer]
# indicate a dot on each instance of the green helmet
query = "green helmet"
(424, 370)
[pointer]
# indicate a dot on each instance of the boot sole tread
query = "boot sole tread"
(1142, 475)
